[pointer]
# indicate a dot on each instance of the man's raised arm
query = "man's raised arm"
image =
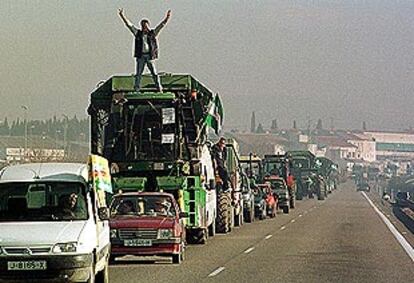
(163, 23)
(127, 22)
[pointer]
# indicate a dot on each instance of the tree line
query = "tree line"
(71, 129)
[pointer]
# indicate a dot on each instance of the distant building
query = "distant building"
(260, 144)
(337, 148)
(365, 146)
(398, 146)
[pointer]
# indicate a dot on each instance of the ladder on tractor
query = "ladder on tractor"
(190, 128)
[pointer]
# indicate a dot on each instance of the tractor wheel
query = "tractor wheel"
(321, 196)
(250, 215)
(292, 202)
(198, 236)
(223, 219)
(212, 229)
(238, 219)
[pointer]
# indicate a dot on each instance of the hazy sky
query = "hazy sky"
(346, 59)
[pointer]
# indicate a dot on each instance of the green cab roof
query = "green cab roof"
(171, 84)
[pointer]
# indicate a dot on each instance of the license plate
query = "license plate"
(26, 265)
(138, 243)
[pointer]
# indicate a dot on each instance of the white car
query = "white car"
(51, 227)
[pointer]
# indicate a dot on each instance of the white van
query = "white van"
(51, 227)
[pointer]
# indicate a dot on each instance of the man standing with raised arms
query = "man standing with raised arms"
(146, 47)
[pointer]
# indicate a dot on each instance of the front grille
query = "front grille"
(26, 250)
(40, 250)
(17, 251)
(138, 234)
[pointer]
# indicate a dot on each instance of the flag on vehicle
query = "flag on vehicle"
(99, 173)
(214, 118)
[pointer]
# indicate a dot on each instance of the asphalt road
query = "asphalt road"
(341, 239)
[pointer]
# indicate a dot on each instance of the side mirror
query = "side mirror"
(183, 215)
(103, 213)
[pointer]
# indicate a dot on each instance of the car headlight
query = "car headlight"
(165, 233)
(114, 233)
(65, 247)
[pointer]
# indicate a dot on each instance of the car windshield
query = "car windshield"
(50, 201)
(142, 206)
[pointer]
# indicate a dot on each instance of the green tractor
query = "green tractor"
(278, 166)
(158, 142)
(329, 171)
(308, 181)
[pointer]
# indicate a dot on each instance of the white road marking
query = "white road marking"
(217, 271)
(293, 220)
(283, 228)
(300, 215)
(403, 242)
(268, 237)
(249, 250)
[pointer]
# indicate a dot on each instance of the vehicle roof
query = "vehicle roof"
(44, 171)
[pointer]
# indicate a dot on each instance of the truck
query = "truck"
(157, 141)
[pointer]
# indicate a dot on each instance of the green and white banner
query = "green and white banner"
(214, 118)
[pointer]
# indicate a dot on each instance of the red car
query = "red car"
(147, 223)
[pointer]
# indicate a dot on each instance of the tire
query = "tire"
(321, 196)
(103, 275)
(286, 209)
(176, 258)
(263, 215)
(238, 220)
(212, 229)
(112, 259)
(250, 215)
(292, 202)
(91, 278)
(198, 237)
(224, 214)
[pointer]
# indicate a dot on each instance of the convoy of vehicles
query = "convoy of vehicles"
(164, 171)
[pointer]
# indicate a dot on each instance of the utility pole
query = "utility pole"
(65, 136)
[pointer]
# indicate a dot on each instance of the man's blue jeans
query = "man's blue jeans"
(141, 62)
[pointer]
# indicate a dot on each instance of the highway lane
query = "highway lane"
(341, 239)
